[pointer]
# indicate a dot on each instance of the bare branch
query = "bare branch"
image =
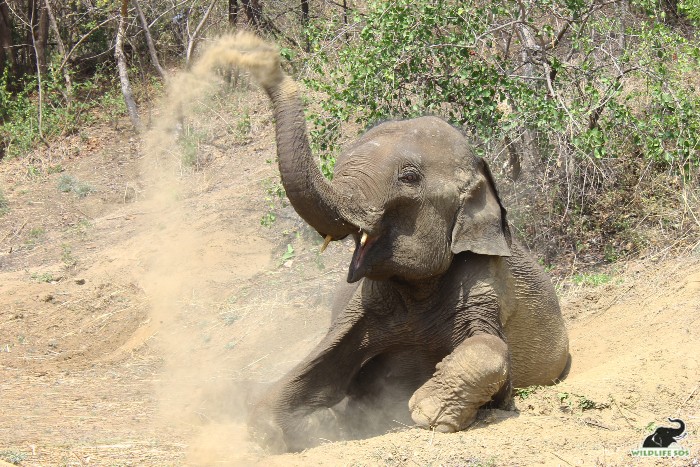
(61, 48)
(177, 5)
(569, 21)
(82, 39)
(149, 39)
(192, 39)
(123, 70)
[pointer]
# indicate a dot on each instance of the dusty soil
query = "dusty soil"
(137, 321)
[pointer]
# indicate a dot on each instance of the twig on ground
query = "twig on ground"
(84, 215)
(396, 421)
(126, 215)
(79, 459)
(560, 458)
(690, 396)
(623, 415)
(591, 422)
(254, 362)
(16, 232)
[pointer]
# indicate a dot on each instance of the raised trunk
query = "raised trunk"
(309, 192)
(678, 431)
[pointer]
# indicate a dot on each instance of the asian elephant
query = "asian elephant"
(664, 436)
(444, 311)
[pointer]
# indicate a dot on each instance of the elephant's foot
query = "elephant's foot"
(293, 430)
(465, 380)
(267, 433)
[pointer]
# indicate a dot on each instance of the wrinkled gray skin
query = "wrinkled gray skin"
(444, 312)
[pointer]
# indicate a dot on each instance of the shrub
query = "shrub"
(565, 95)
(68, 183)
(4, 204)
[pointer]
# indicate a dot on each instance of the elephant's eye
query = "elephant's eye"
(409, 176)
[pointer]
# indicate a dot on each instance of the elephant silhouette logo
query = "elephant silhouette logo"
(664, 436)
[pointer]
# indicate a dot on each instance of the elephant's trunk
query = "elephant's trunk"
(312, 196)
(310, 193)
(676, 432)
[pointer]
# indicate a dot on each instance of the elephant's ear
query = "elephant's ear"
(480, 225)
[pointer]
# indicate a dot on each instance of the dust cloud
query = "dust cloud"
(205, 391)
(200, 399)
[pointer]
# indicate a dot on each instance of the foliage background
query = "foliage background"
(587, 110)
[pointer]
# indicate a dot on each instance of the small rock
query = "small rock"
(80, 281)
(47, 298)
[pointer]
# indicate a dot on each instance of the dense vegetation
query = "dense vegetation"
(588, 110)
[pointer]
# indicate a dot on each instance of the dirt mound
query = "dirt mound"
(135, 333)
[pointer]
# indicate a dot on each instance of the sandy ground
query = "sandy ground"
(137, 321)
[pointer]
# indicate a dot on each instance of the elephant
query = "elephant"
(664, 436)
(444, 312)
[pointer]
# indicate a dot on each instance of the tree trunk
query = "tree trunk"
(61, 49)
(37, 33)
(253, 10)
(123, 70)
(7, 57)
(27, 56)
(524, 153)
(304, 13)
(305, 22)
(41, 38)
(670, 9)
(345, 19)
(149, 40)
(232, 13)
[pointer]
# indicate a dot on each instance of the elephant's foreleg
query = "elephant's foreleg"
(295, 413)
(475, 372)
(378, 396)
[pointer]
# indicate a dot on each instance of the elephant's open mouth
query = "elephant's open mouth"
(358, 265)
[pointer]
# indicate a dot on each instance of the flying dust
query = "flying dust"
(206, 391)
(196, 263)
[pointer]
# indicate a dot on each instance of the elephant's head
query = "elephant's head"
(417, 195)
(410, 192)
(671, 434)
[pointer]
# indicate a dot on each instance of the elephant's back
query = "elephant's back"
(532, 321)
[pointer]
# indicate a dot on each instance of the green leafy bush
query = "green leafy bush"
(68, 183)
(63, 111)
(498, 71)
(571, 99)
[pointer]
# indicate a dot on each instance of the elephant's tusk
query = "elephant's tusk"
(326, 241)
(363, 240)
